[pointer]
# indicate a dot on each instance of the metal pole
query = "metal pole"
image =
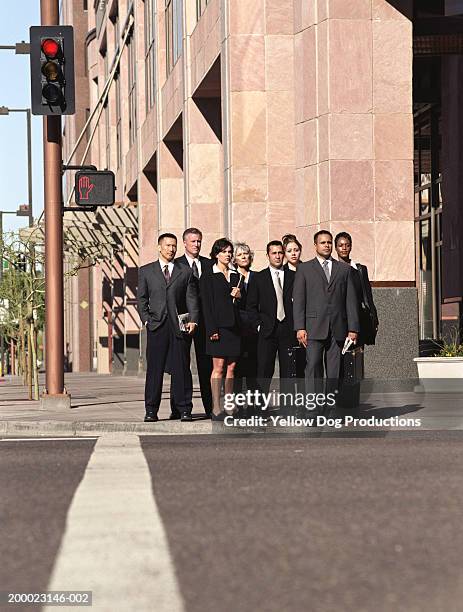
(29, 165)
(54, 300)
(1, 280)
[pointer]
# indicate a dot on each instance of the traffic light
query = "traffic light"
(52, 70)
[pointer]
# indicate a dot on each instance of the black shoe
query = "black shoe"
(185, 418)
(217, 417)
(150, 417)
(174, 416)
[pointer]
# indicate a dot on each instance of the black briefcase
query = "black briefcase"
(351, 376)
(296, 360)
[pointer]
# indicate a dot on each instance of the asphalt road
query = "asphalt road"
(37, 481)
(264, 523)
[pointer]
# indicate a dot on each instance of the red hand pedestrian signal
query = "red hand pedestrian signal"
(94, 187)
(85, 187)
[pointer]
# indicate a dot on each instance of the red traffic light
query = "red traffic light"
(50, 47)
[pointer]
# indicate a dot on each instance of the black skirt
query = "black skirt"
(228, 344)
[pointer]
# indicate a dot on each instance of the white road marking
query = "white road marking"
(114, 542)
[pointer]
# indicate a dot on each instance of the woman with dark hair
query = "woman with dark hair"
(220, 295)
(293, 250)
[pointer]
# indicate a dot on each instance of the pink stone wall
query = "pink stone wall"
(354, 130)
(262, 122)
(205, 43)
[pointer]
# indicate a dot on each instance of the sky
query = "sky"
(15, 93)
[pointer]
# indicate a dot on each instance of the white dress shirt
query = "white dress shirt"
(217, 270)
(278, 278)
(164, 263)
(190, 261)
(330, 263)
(277, 273)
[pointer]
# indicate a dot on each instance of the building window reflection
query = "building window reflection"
(428, 218)
(200, 8)
(150, 82)
(132, 67)
(174, 32)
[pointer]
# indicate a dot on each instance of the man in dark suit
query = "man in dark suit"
(165, 291)
(269, 300)
(192, 238)
(325, 310)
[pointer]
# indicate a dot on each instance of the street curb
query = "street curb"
(176, 428)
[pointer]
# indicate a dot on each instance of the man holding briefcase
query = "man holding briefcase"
(325, 311)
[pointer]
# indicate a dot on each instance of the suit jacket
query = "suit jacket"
(320, 306)
(206, 263)
(219, 310)
(262, 300)
(158, 300)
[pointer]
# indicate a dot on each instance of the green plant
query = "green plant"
(450, 349)
(450, 345)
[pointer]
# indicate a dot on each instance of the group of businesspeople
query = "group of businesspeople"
(240, 320)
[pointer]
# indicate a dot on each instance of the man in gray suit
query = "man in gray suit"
(166, 290)
(325, 310)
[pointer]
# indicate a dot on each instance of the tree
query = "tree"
(22, 295)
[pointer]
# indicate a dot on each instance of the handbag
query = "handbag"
(368, 322)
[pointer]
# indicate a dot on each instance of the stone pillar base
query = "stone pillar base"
(61, 401)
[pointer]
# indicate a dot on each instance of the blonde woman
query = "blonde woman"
(246, 367)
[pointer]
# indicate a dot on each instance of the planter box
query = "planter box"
(440, 374)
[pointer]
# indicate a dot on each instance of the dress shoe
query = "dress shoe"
(218, 417)
(150, 417)
(174, 416)
(186, 418)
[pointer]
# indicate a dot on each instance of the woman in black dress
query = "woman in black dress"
(220, 295)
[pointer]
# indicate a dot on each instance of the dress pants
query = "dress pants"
(323, 356)
(281, 339)
(164, 346)
(204, 367)
(246, 366)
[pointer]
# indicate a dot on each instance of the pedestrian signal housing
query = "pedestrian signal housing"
(52, 70)
(94, 187)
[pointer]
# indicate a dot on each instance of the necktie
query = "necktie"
(167, 273)
(326, 270)
(279, 292)
(194, 267)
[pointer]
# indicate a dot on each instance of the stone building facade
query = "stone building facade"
(254, 119)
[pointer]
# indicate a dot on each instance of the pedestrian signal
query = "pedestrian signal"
(94, 187)
(52, 70)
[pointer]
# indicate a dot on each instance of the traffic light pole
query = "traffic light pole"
(55, 392)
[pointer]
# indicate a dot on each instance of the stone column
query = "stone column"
(354, 133)
(261, 121)
(204, 188)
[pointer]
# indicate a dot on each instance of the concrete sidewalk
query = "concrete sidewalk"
(103, 403)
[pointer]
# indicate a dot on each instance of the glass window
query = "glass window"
(174, 32)
(107, 118)
(150, 71)
(428, 219)
(200, 8)
(132, 67)
(117, 82)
